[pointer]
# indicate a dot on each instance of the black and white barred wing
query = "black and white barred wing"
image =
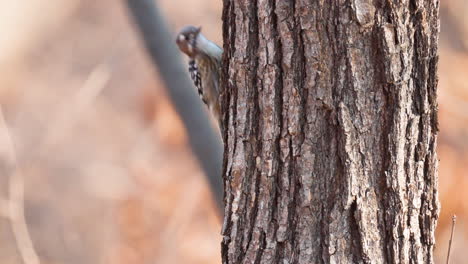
(196, 78)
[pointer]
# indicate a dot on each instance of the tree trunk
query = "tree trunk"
(331, 120)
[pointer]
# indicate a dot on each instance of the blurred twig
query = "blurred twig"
(454, 220)
(69, 112)
(204, 140)
(13, 208)
(4, 208)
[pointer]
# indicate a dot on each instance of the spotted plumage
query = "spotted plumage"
(204, 65)
(196, 78)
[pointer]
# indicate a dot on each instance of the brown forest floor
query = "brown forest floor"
(108, 176)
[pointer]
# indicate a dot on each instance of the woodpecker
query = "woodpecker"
(204, 66)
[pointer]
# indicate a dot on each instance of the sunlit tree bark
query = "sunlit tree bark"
(331, 120)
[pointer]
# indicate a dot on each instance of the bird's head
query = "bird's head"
(187, 40)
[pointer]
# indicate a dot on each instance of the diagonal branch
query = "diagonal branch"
(204, 140)
(13, 208)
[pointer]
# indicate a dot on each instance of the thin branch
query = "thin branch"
(4, 206)
(70, 111)
(454, 220)
(204, 140)
(13, 207)
(15, 202)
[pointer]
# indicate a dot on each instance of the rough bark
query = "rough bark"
(331, 116)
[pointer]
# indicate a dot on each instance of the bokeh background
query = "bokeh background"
(107, 174)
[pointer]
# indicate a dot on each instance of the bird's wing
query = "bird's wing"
(196, 78)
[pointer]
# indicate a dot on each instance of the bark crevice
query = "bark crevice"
(331, 117)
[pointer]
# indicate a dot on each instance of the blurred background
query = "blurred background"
(108, 176)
